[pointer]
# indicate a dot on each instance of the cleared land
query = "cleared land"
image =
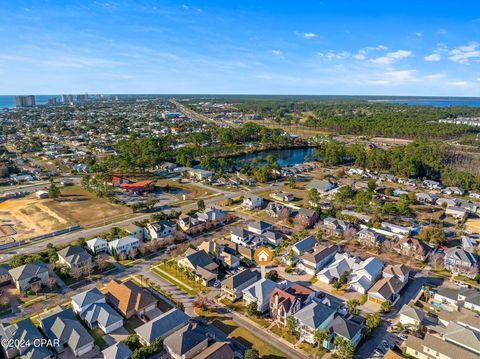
(30, 217)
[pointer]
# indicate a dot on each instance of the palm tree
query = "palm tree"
(352, 306)
(320, 336)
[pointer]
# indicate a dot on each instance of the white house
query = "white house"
(97, 245)
(136, 231)
(252, 202)
(160, 229)
(123, 245)
(364, 274)
(260, 292)
(342, 263)
(82, 301)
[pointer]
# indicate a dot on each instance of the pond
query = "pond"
(286, 157)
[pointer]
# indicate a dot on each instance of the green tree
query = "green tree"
(272, 275)
(320, 336)
(291, 182)
(201, 205)
(387, 306)
(345, 350)
(133, 342)
(372, 321)
(352, 306)
(251, 354)
(291, 324)
(252, 309)
(313, 196)
(53, 191)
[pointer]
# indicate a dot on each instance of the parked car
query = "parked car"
(385, 345)
(403, 336)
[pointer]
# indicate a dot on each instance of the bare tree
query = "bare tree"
(100, 263)
(435, 260)
(387, 246)
(132, 253)
(76, 272)
(122, 256)
(143, 248)
(349, 234)
(284, 214)
(87, 269)
(50, 282)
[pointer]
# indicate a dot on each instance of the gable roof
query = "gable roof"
(462, 336)
(319, 254)
(412, 312)
(399, 270)
(21, 333)
(305, 244)
(184, 339)
(74, 255)
(62, 324)
(386, 287)
(286, 297)
(462, 255)
(262, 289)
(200, 259)
(28, 270)
(238, 279)
(128, 296)
(314, 314)
(101, 313)
(88, 297)
(162, 325)
(420, 247)
(218, 350)
(119, 350)
(439, 345)
(344, 327)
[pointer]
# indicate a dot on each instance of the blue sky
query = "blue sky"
(407, 47)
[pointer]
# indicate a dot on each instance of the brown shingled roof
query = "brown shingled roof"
(128, 296)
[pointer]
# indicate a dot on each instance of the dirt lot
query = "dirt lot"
(30, 217)
(189, 190)
(82, 207)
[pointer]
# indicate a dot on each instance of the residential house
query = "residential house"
(458, 213)
(29, 276)
(200, 263)
(233, 286)
(425, 197)
(218, 350)
(136, 231)
(411, 316)
(446, 297)
(103, 316)
(471, 243)
(459, 261)
(162, 326)
(307, 217)
(252, 202)
(412, 247)
(304, 245)
(229, 260)
(282, 196)
(398, 230)
(453, 190)
(335, 227)
(74, 257)
(432, 184)
(349, 328)
(199, 174)
(386, 289)
(97, 245)
(342, 263)
(259, 227)
(81, 302)
(129, 299)
(272, 237)
(190, 224)
(288, 301)
(464, 337)
(471, 298)
(19, 339)
(61, 326)
(5, 277)
(445, 202)
(186, 342)
(161, 229)
(369, 238)
(364, 274)
(399, 271)
(123, 245)
(322, 186)
(274, 209)
(119, 350)
(313, 261)
(212, 215)
(432, 346)
(312, 317)
(260, 292)
(245, 237)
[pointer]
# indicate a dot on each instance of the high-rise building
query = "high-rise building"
(52, 101)
(70, 99)
(25, 101)
(64, 99)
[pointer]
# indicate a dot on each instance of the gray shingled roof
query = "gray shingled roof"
(117, 351)
(344, 327)
(88, 297)
(314, 314)
(465, 337)
(102, 314)
(162, 325)
(184, 340)
(63, 325)
(238, 279)
(23, 330)
(74, 255)
(28, 270)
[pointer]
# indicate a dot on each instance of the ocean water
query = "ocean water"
(9, 101)
(438, 102)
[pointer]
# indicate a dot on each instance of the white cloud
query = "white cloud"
(433, 57)
(458, 83)
(277, 53)
(464, 54)
(307, 35)
(418, 34)
(362, 53)
(392, 57)
(435, 76)
(334, 55)
(392, 77)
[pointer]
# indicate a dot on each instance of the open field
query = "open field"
(30, 217)
(79, 206)
(184, 190)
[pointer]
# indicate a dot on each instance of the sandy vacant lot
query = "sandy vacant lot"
(30, 217)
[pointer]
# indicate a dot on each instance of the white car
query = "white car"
(403, 336)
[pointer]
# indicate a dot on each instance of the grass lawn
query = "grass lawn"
(242, 335)
(195, 287)
(97, 335)
(312, 350)
(132, 324)
(283, 332)
(467, 280)
(175, 283)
